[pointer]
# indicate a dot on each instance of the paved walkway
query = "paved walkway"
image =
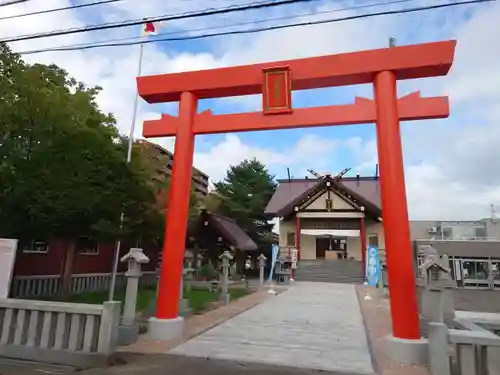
(312, 326)
(197, 324)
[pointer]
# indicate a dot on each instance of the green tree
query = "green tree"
(213, 202)
(195, 204)
(247, 189)
(63, 172)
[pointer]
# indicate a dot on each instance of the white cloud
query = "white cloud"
(431, 195)
(451, 169)
(112, 69)
(476, 72)
(365, 153)
(231, 151)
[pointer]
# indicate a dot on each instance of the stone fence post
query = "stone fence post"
(226, 257)
(262, 263)
(128, 330)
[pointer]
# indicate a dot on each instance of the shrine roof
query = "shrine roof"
(288, 192)
(228, 228)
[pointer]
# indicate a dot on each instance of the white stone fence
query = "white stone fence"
(470, 347)
(476, 345)
(49, 285)
(79, 335)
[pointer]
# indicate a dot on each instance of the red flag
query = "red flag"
(152, 28)
(149, 28)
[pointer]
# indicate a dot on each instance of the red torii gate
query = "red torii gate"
(382, 67)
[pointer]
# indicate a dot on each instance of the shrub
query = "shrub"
(208, 271)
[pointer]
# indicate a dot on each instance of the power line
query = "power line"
(12, 2)
(257, 30)
(356, 7)
(191, 14)
(53, 10)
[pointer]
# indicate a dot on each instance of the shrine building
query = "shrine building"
(330, 217)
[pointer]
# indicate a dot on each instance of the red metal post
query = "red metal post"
(362, 234)
(297, 235)
(402, 286)
(177, 214)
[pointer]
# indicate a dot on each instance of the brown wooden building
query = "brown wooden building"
(213, 234)
(41, 258)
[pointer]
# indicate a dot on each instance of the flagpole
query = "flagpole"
(129, 158)
(136, 105)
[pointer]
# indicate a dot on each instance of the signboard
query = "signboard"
(8, 248)
(342, 224)
(277, 91)
(373, 273)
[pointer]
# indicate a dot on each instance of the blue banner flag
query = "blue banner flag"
(373, 273)
(275, 250)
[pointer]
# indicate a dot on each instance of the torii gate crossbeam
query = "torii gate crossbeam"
(382, 67)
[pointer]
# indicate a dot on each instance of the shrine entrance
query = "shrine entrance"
(275, 81)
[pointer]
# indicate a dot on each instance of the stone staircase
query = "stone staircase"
(330, 271)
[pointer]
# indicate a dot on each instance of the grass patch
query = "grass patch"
(239, 292)
(199, 299)
(97, 298)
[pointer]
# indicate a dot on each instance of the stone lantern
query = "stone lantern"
(437, 308)
(226, 258)
(128, 330)
(262, 263)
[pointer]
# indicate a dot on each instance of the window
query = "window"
(290, 239)
(477, 270)
(480, 232)
(373, 240)
(34, 247)
(447, 233)
(86, 246)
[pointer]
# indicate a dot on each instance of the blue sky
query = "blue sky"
(450, 164)
(409, 31)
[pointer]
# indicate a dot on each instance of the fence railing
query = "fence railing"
(463, 349)
(472, 337)
(60, 333)
(49, 285)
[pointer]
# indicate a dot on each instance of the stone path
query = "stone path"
(315, 326)
(197, 324)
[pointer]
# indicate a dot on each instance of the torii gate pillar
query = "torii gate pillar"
(382, 68)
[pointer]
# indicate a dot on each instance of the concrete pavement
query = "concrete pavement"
(315, 326)
(309, 328)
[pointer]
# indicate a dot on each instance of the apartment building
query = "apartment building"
(479, 230)
(162, 160)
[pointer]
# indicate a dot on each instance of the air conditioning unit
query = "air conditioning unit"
(432, 230)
